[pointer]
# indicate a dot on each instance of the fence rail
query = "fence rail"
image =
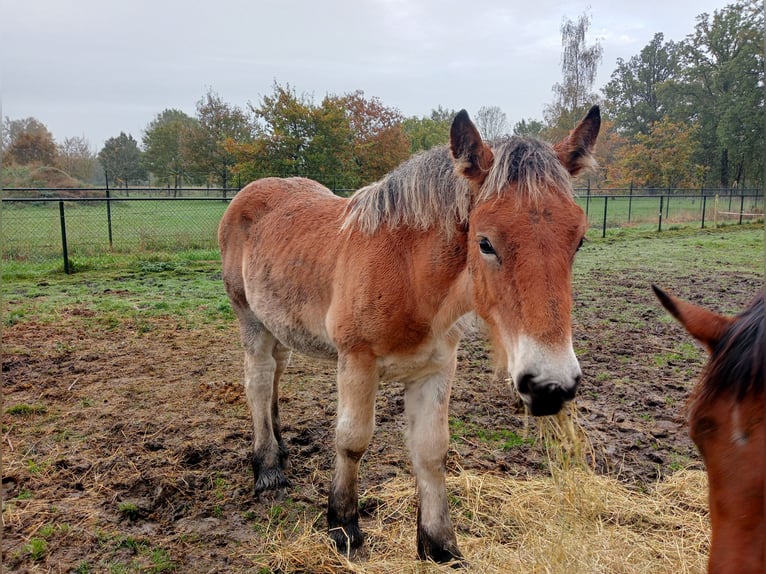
(40, 228)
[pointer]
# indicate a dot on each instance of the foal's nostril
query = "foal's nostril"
(525, 383)
(570, 392)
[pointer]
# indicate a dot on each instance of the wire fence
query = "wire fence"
(149, 220)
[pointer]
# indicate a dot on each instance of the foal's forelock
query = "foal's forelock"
(529, 162)
(424, 192)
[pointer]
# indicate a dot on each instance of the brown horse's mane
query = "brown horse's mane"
(424, 192)
(736, 364)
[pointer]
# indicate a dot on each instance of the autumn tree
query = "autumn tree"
(343, 142)
(662, 158)
(207, 143)
(163, 142)
(121, 159)
(379, 143)
(579, 64)
(27, 142)
(285, 132)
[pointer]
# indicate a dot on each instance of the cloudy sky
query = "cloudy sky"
(94, 68)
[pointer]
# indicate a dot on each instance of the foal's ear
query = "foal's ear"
(472, 157)
(576, 150)
(705, 326)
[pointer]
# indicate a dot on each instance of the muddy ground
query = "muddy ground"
(133, 451)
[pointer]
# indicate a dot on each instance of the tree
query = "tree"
(661, 158)
(640, 91)
(344, 142)
(379, 141)
(724, 78)
(121, 160)
(208, 143)
(286, 127)
(529, 127)
(75, 158)
(428, 131)
(579, 65)
(163, 142)
(491, 121)
(13, 128)
(27, 142)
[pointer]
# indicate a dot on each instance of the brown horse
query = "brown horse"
(726, 423)
(379, 283)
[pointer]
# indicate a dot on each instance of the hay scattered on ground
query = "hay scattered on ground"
(573, 521)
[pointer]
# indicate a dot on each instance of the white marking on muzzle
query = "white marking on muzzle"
(542, 365)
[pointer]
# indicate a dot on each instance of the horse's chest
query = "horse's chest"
(430, 358)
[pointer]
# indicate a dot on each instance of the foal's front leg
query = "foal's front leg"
(357, 385)
(427, 408)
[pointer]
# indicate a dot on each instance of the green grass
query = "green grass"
(505, 439)
(643, 212)
(32, 231)
(185, 287)
(25, 410)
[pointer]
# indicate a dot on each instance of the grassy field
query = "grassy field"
(32, 231)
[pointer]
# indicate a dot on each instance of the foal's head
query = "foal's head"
(726, 423)
(524, 229)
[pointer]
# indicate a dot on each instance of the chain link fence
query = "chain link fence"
(41, 228)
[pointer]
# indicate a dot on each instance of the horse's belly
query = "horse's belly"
(297, 326)
(305, 342)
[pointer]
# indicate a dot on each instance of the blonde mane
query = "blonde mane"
(424, 192)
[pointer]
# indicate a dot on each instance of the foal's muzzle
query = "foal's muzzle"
(544, 396)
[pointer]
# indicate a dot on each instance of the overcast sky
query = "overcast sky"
(94, 68)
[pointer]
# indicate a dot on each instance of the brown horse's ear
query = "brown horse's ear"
(705, 326)
(472, 157)
(575, 151)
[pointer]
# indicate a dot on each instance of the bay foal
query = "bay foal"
(379, 283)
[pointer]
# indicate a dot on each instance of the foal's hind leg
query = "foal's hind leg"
(265, 360)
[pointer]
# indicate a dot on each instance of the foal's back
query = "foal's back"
(277, 239)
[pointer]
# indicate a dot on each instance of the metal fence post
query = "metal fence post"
(603, 229)
(109, 215)
(741, 207)
(630, 200)
(704, 204)
(62, 219)
(659, 224)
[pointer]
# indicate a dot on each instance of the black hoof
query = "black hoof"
(442, 554)
(270, 480)
(347, 539)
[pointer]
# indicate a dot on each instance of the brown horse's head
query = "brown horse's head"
(523, 232)
(726, 423)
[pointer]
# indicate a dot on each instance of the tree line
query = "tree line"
(686, 113)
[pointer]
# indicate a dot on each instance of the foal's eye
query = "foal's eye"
(486, 246)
